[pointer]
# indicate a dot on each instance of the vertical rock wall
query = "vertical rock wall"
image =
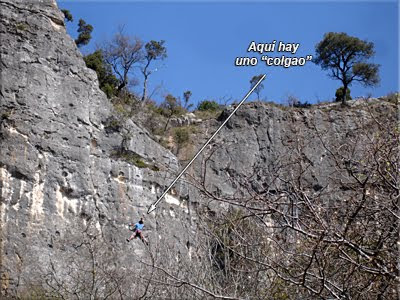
(56, 170)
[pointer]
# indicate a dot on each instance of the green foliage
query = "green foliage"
(67, 15)
(181, 135)
(345, 56)
(171, 107)
(134, 159)
(131, 157)
(5, 115)
(108, 89)
(155, 50)
(208, 114)
(139, 163)
(121, 110)
(107, 80)
(125, 104)
(163, 142)
(152, 106)
(21, 26)
(157, 112)
(339, 94)
(209, 105)
(85, 33)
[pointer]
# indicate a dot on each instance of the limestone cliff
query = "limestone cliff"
(310, 200)
(57, 168)
(262, 138)
(71, 179)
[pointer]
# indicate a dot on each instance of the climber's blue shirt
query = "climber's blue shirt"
(139, 226)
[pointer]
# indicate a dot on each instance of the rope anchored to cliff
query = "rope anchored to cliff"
(154, 205)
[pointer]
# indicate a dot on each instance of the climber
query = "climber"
(137, 231)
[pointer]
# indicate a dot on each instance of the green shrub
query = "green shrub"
(122, 110)
(171, 107)
(5, 115)
(208, 114)
(134, 159)
(159, 110)
(181, 135)
(140, 164)
(85, 33)
(339, 94)
(151, 105)
(108, 89)
(67, 15)
(107, 80)
(22, 26)
(164, 142)
(208, 105)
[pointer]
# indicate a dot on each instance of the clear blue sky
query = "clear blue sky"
(203, 38)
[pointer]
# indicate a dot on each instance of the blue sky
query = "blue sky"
(203, 38)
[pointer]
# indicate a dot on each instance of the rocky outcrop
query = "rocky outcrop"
(59, 170)
(265, 141)
(291, 181)
(185, 120)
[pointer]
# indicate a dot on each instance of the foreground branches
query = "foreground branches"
(298, 238)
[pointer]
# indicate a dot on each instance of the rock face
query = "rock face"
(305, 177)
(58, 171)
(262, 141)
(187, 119)
(70, 178)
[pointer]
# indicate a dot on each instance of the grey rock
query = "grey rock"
(62, 167)
(185, 120)
(57, 168)
(262, 137)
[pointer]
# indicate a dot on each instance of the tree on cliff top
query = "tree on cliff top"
(107, 80)
(67, 15)
(340, 94)
(153, 51)
(346, 57)
(84, 29)
(171, 107)
(85, 33)
(122, 53)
